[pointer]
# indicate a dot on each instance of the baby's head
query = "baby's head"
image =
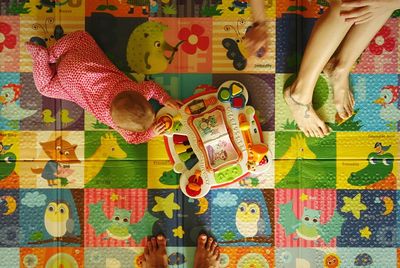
(131, 111)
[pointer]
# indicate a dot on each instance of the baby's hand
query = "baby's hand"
(158, 128)
(255, 39)
(174, 104)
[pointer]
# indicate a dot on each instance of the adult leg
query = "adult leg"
(325, 38)
(339, 67)
(155, 253)
(207, 253)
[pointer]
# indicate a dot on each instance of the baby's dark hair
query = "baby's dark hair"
(131, 111)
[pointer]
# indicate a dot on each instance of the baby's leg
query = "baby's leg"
(75, 40)
(339, 67)
(46, 79)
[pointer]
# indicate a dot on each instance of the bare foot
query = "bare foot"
(342, 96)
(155, 253)
(305, 116)
(207, 253)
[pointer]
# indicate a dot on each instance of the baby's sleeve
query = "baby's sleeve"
(136, 137)
(156, 92)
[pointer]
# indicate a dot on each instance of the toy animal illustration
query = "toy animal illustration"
(248, 220)
(309, 226)
(108, 148)
(298, 150)
(119, 227)
(379, 167)
(58, 220)
(146, 49)
(61, 154)
(10, 110)
(206, 125)
(389, 100)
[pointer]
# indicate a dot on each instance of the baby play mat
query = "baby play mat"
(232, 164)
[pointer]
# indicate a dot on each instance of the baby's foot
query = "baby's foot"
(35, 49)
(342, 96)
(304, 115)
(207, 253)
(155, 253)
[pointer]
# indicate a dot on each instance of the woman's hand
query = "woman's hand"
(256, 39)
(174, 104)
(364, 10)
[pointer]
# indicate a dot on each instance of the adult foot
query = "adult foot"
(155, 253)
(343, 97)
(207, 253)
(304, 114)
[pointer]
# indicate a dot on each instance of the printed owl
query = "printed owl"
(248, 220)
(119, 226)
(309, 226)
(58, 219)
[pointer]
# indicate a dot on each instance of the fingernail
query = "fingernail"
(160, 237)
(203, 237)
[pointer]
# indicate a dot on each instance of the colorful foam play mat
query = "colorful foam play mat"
(232, 163)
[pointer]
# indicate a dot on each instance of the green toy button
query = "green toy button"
(224, 94)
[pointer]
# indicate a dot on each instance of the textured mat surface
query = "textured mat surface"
(343, 183)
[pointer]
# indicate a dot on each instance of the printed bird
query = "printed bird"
(145, 52)
(65, 119)
(58, 219)
(248, 220)
(389, 99)
(47, 116)
(309, 226)
(4, 148)
(380, 149)
(119, 227)
(10, 109)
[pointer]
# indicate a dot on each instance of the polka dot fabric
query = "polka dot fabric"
(76, 69)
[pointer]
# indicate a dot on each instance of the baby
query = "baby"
(77, 70)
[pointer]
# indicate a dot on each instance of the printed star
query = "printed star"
(166, 205)
(365, 232)
(178, 232)
(303, 197)
(353, 205)
(114, 197)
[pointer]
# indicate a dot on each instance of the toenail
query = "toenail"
(203, 237)
(160, 237)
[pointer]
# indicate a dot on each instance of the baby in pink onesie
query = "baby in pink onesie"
(83, 74)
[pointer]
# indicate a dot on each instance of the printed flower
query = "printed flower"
(193, 38)
(382, 41)
(6, 39)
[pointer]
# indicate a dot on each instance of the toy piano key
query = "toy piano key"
(200, 105)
